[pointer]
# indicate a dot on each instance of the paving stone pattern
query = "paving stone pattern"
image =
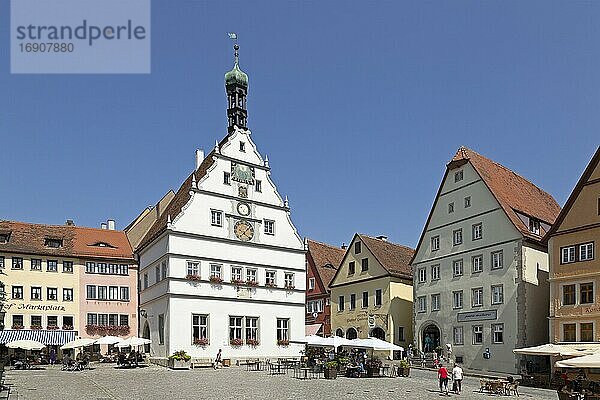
(105, 382)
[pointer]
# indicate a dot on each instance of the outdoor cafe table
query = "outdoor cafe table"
(302, 373)
(497, 386)
(385, 370)
(253, 365)
(277, 369)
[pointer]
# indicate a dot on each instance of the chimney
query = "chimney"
(70, 222)
(111, 224)
(344, 247)
(103, 225)
(199, 158)
(383, 238)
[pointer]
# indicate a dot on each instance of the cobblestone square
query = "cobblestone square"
(105, 382)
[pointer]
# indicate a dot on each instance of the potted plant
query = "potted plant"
(192, 277)
(180, 360)
(217, 280)
(236, 342)
(252, 342)
(283, 342)
(330, 371)
(404, 368)
(202, 342)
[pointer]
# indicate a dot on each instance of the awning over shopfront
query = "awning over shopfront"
(312, 329)
(49, 338)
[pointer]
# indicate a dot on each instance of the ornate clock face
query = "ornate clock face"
(242, 173)
(243, 230)
(243, 209)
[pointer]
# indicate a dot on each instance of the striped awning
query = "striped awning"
(49, 338)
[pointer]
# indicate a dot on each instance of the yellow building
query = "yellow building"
(371, 293)
(574, 265)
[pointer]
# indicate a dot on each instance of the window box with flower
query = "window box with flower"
(67, 327)
(252, 283)
(114, 330)
(217, 280)
(236, 342)
(252, 342)
(52, 327)
(270, 285)
(283, 342)
(35, 327)
(290, 287)
(202, 342)
(238, 282)
(17, 326)
(192, 277)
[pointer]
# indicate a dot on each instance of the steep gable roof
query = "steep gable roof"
(511, 190)
(589, 170)
(76, 241)
(395, 258)
(327, 259)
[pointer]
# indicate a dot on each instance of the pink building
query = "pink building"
(108, 285)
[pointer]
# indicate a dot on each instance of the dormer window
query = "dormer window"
(4, 237)
(102, 244)
(54, 243)
(534, 226)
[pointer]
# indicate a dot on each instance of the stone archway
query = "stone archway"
(351, 333)
(378, 333)
(339, 332)
(430, 338)
(146, 335)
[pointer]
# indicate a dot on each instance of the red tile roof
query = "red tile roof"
(327, 259)
(77, 241)
(395, 258)
(513, 192)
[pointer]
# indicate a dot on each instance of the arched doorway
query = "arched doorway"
(351, 333)
(146, 335)
(378, 333)
(430, 339)
(339, 332)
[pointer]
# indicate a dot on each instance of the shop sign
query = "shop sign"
(477, 316)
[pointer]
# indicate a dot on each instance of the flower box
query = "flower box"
(16, 326)
(67, 327)
(180, 360)
(236, 342)
(195, 278)
(35, 327)
(290, 287)
(252, 283)
(237, 282)
(201, 342)
(114, 330)
(252, 342)
(216, 280)
(52, 327)
(283, 342)
(270, 285)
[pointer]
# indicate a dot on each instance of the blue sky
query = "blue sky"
(359, 105)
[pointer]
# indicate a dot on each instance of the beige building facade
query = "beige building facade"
(371, 293)
(574, 264)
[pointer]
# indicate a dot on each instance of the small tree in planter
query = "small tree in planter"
(330, 371)
(180, 360)
(404, 368)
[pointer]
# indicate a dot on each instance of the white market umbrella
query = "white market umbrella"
(375, 344)
(109, 340)
(589, 361)
(25, 345)
(77, 343)
(336, 341)
(551, 349)
(133, 341)
(311, 340)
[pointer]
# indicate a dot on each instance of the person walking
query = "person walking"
(52, 357)
(443, 377)
(457, 377)
(218, 360)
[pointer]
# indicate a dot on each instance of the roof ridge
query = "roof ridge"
(324, 244)
(386, 241)
(60, 226)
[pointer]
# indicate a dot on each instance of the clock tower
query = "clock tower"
(236, 85)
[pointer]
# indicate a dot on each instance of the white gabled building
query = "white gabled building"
(481, 269)
(223, 266)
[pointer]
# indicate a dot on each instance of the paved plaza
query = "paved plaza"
(105, 382)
